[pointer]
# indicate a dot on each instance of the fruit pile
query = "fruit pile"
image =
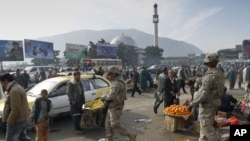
(177, 110)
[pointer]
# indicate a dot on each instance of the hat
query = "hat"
(211, 57)
(7, 76)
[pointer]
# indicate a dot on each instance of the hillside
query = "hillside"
(171, 47)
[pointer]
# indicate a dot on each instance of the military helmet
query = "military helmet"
(211, 57)
(113, 69)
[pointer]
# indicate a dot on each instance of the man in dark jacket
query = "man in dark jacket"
(19, 78)
(171, 90)
(43, 74)
(76, 97)
(100, 71)
(135, 78)
(26, 79)
(227, 102)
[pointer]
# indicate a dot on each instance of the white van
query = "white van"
(32, 70)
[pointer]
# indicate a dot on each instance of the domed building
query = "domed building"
(128, 41)
(123, 39)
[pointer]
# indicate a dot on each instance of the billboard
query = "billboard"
(11, 50)
(106, 51)
(74, 51)
(38, 49)
(246, 49)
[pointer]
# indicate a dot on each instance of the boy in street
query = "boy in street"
(41, 112)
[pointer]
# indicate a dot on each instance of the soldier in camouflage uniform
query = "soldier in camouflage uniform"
(115, 100)
(208, 98)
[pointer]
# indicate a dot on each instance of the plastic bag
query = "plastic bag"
(95, 104)
(233, 120)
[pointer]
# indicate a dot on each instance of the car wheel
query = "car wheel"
(30, 124)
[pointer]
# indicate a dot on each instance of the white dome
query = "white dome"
(126, 40)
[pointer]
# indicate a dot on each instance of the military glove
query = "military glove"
(102, 98)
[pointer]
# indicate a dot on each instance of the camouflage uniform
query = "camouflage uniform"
(197, 83)
(116, 98)
(208, 98)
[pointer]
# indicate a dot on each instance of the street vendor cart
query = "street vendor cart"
(177, 117)
(94, 113)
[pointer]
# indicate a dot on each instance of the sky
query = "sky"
(208, 24)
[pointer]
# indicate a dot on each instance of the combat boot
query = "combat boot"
(132, 136)
(110, 138)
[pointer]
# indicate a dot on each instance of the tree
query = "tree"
(92, 53)
(102, 41)
(128, 55)
(56, 59)
(153, 55)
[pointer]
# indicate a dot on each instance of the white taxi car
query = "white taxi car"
(94, 86)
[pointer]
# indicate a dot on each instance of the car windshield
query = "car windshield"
(36, 90)
(28, 68)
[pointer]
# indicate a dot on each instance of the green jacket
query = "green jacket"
(16, 107)
(74, 92)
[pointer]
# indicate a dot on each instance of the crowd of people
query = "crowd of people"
(208, 95)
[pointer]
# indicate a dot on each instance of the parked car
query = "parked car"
(94, 86)
(32, 70)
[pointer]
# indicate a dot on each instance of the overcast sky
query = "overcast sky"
(208, 24)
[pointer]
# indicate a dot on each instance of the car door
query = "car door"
(60, 99)
(89, 90)
(101, 86)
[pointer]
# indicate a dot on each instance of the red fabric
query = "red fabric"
(233, 120)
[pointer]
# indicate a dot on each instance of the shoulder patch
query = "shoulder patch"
(205, 84)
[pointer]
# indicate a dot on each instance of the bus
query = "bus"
(105, 63)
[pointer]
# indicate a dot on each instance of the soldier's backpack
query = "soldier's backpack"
(219, 83)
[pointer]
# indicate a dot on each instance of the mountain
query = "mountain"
(171, 47)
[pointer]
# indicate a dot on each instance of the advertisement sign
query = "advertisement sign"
(229, 54)
(74, 51)
(246, 49)
(106, 51)
(11, 50)
(38, 49)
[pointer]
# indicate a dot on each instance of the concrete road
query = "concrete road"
(140, 106)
